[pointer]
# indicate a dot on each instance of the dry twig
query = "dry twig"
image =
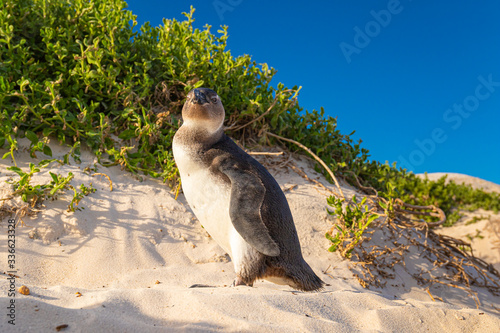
(109, 179)
(315, 157)
(265, 153)
(361, 186)
(438, 212)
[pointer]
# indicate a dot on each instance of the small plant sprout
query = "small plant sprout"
(353, 219)
(34, 194)
(78, 195)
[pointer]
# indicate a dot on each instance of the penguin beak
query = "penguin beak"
(199, 97)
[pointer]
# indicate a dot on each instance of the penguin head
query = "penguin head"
(203, 108)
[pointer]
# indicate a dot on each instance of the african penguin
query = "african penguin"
(236, 199)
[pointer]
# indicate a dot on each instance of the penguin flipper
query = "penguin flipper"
(247, 195)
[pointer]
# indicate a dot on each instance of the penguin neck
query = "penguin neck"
(202, 137)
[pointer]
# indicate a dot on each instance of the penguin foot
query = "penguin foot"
(239, 282)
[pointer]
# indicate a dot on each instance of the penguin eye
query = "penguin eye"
(214, 99)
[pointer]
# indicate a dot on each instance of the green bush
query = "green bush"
(76, 70)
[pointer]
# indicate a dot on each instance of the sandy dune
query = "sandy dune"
(134, 252)
(481, 228)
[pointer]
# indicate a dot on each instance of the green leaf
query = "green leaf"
(16, 170)
(47, 150)
(127, 134)
(199, 84)
(32, 137)
(11, 141)
(47, 131)
(3, 85)
(44, 163)
(24, 179)
(332, 248)
(372, 218)
(154, 174)
(23, 84)
(54, 176)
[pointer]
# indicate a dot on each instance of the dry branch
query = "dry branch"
(265, 153)
(109, 179)
(315, 157)
(438, 212)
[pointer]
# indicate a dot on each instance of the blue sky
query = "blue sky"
(418, 81)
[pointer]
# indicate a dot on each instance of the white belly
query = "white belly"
(208, 197)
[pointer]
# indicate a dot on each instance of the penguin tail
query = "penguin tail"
(305, 279)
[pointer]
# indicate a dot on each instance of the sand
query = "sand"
(133, 253)
(481, 228)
